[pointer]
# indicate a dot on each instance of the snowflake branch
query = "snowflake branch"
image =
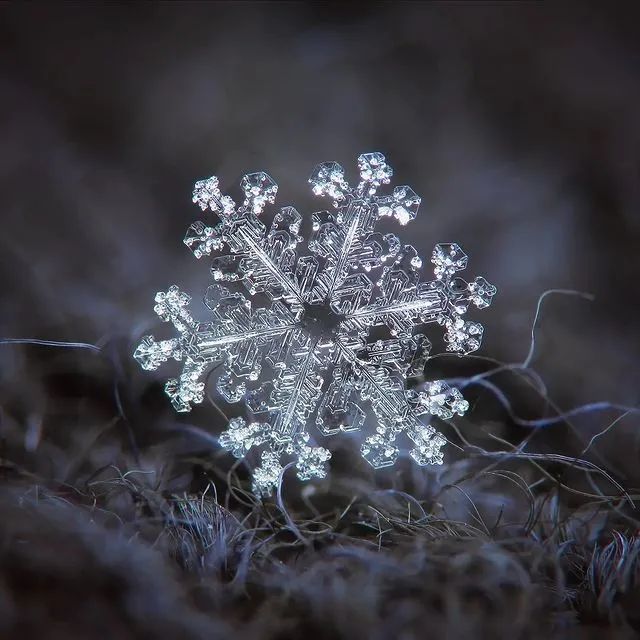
(273, 268)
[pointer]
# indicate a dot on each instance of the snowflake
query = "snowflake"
(305, 353)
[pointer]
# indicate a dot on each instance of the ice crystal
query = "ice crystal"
(300, 351)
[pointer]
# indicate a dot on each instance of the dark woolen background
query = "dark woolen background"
(517, 123)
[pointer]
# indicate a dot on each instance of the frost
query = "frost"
(300, 349)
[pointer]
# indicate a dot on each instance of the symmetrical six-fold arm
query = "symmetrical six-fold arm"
(310, 342)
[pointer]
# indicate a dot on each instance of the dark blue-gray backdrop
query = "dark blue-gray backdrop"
(518, 124)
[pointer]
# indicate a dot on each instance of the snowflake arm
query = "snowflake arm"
(394, 413)
(293, 394)
(237, 336)
(347, 239)
(404, 302)
(262, 261)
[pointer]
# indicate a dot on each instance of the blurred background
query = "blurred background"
(517, 123)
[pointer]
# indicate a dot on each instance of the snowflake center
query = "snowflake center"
(320, 320)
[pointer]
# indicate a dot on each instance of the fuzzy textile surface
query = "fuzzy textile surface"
(517, 123)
